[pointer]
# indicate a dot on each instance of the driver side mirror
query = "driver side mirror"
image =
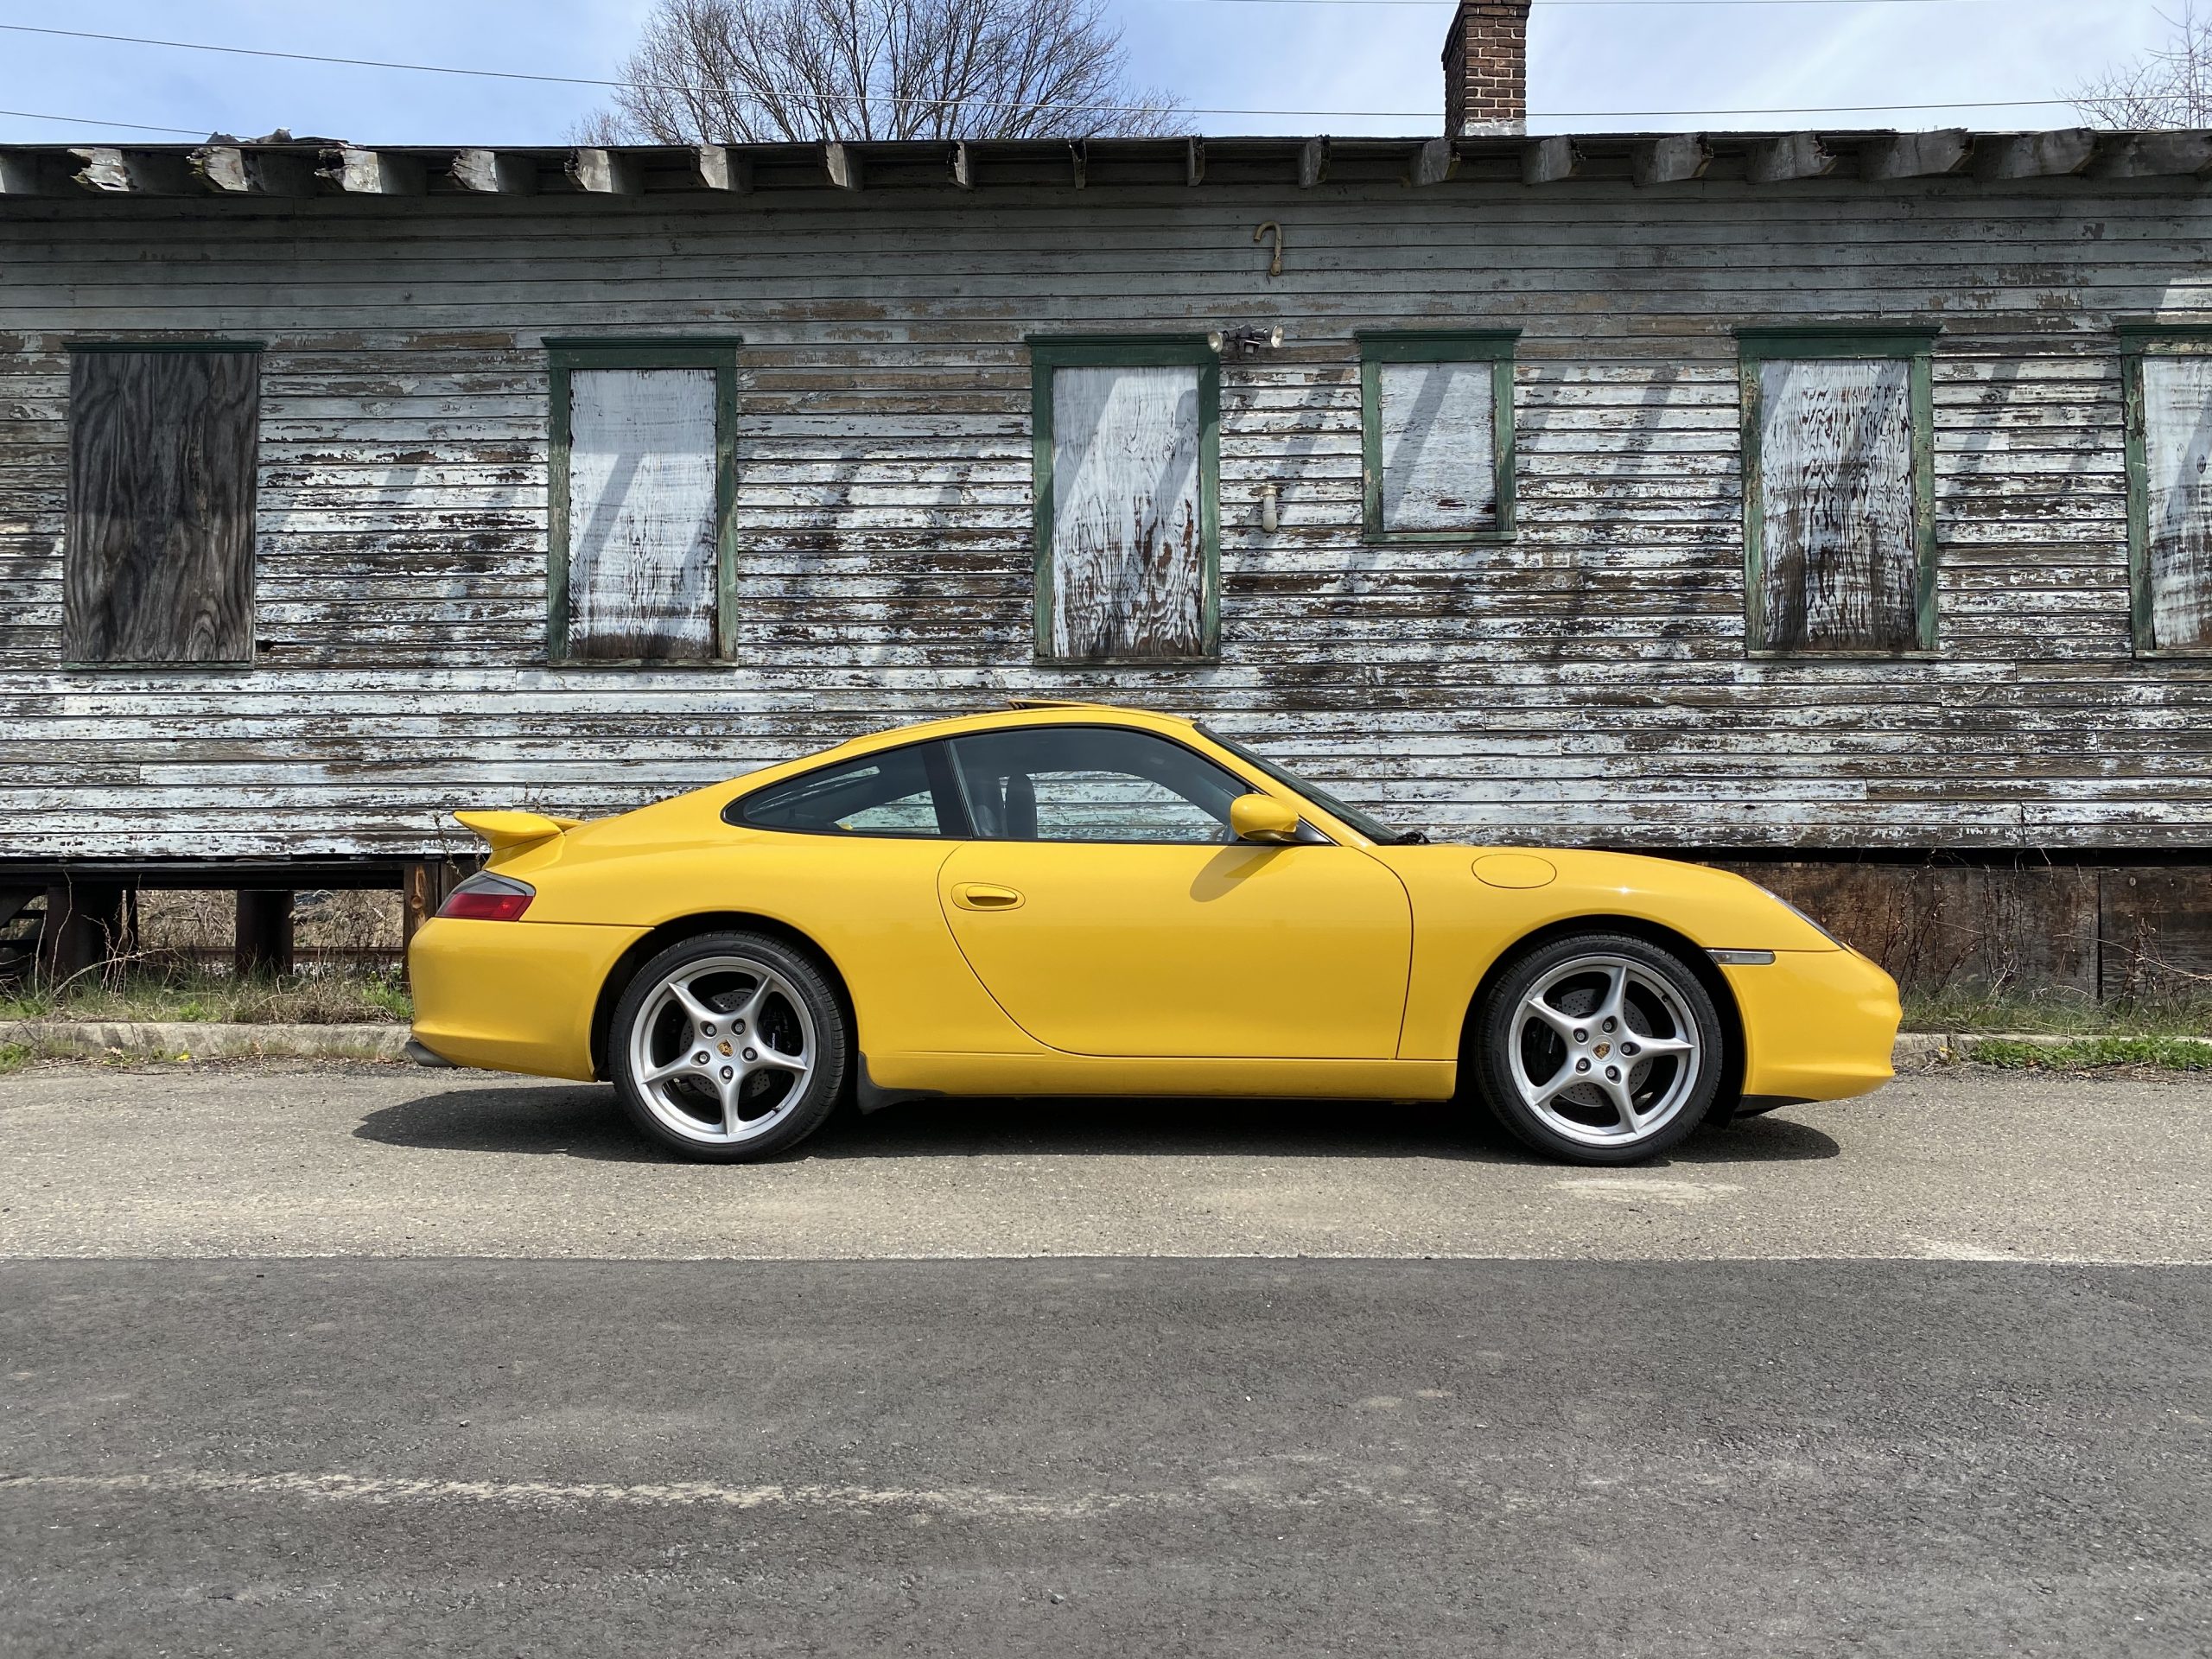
(1263, 818)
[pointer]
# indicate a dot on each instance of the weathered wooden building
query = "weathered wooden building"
(1831, 501)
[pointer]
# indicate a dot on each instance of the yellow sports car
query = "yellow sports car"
(1067, 898)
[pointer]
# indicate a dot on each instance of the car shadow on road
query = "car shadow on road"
(582, 1122)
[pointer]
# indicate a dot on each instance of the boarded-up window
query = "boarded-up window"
(160, 551)
(1840, 512)
(2173, 511)
(1126, 522)
(642, 482)
(1437, 426)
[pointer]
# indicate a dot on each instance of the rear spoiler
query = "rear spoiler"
(509, 832)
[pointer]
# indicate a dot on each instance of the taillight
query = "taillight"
(488, 897)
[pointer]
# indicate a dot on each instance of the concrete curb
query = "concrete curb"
(1919, 1048)
(167, 1040)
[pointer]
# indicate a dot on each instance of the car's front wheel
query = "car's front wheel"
(1601, 1048)
(729, 1046)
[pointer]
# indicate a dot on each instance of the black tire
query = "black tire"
(1583, 1123)
(688, 1111)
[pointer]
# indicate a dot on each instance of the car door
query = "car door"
(1106, 908)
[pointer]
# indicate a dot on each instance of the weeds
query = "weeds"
(2095, 1053)
(197, 995)
(2057, 1014)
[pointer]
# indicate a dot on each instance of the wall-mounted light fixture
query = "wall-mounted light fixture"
(1244, 342)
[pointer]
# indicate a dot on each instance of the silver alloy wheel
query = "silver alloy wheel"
(1604, 1050)
(722, 1050)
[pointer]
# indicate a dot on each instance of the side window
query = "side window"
(1127, 442)
(1092, 783)
(1436, 423)
(1838, 491)
(893, 793)
(2169, 491)
(159, 560)
(643, 481)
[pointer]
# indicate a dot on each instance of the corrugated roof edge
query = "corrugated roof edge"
(224, 167)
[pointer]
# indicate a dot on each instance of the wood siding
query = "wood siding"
(160, 529)
(1586, 681)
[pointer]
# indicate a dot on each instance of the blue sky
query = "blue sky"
(1647, 55)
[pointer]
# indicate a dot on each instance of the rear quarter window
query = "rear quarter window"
(895, 792)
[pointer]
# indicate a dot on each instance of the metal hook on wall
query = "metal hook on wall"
(1260, 234)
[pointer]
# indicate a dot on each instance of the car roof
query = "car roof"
(1020, 712)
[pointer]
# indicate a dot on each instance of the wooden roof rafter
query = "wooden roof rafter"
(228, 169)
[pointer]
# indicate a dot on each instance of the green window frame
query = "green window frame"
(1048, 354)
(1916, 345)
(1496, 346)
(563, 358)
(2137, 342)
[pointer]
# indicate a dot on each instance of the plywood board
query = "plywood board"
(2178, 452)
(160, 539)
(1840, 567)
(1439, 432)
(1128, 553)
(641, 513)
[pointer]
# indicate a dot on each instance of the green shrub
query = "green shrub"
(2091, 1053)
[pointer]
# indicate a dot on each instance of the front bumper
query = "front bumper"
(511, 997)
(1818, 1025)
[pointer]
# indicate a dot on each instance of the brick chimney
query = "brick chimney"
(1487, 68)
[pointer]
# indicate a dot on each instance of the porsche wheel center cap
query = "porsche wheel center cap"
(1600, 1050)
(724, 1048)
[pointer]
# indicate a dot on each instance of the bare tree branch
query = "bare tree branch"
(763, 71)
(2171, 87)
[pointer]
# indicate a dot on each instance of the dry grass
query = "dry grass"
(201, 927)
(194, 995)
(2095, 1054)
(2058, 1013)
(348, 973)
(348, 945)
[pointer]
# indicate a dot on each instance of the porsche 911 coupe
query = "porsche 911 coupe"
(1071, 899)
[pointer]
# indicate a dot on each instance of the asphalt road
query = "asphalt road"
(390, 1160)
(291, 1363)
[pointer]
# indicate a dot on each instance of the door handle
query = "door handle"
(977, 895)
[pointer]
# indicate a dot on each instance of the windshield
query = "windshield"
(1374, 829)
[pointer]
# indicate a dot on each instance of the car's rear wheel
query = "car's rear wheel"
(729, 1046)
(1601, 1048)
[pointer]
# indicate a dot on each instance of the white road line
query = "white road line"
(1937, 1252)
(966, 1502)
